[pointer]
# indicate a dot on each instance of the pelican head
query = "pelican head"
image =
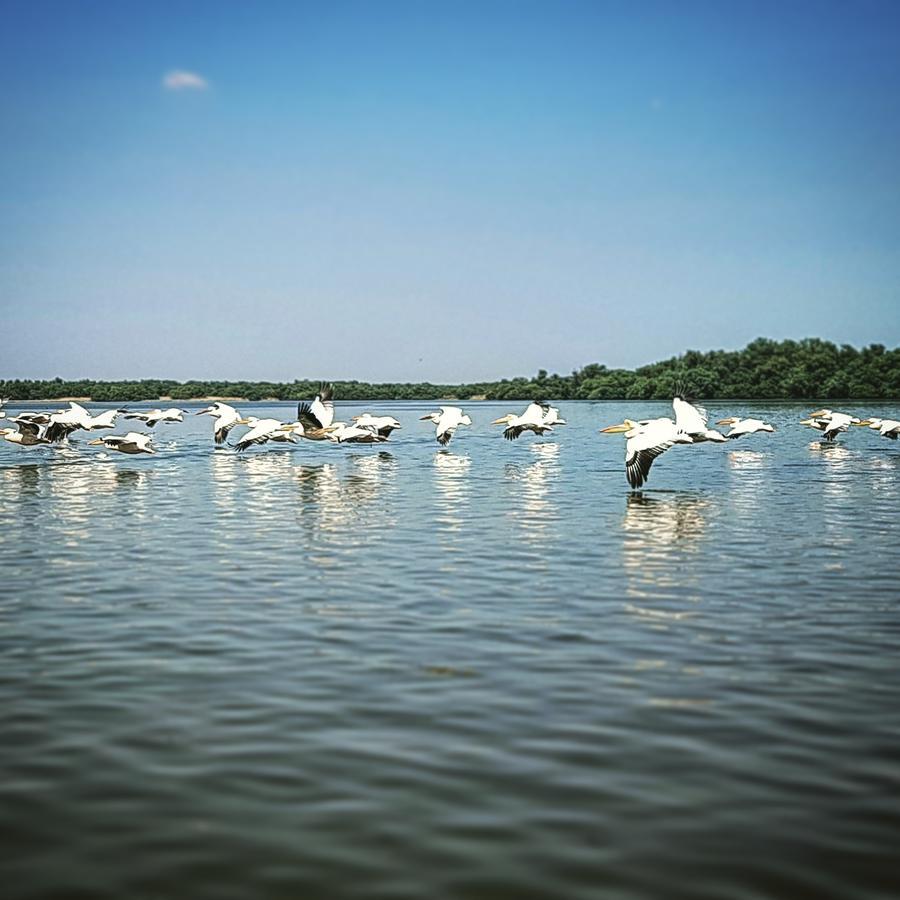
(96, 441)
(5, 431)
(868, 423)
(627, 425)
(247, 420)
(503, 420)
(206, 412)
(731, 420)
(819, 414)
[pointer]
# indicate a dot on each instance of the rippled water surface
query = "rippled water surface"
(489, 671)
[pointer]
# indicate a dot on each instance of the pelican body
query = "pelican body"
(644, 441)
(831, 424)
(226, 418)
(889, 428)
(384, 425)
(693, 421)
(446, 420)
(740, 427)
(261, 432)
(532, 419)
(132, 443)
(26, 433)
(152, 417)
(317, 417)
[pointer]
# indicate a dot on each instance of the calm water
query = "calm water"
(399, 672)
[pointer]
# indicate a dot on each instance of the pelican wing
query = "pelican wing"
(319, 413)
(639, 458)
(689, 418)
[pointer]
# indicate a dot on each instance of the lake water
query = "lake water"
(321, 671)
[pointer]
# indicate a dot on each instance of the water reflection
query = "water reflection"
(452, 484)
(531, 506)
(661, 537)
(335, 501)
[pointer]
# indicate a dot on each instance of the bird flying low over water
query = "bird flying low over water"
(384, 425)
(831, 424)
(342, 433)
(132, 443)
(3, 402)
(889, 428)
(26, 433)
(533, 419)
(151, 417)
(693, 421)
(551, 414)
(644, 442)
(262, 431)
(315, 417)
(226, 418)
(740, 427)
(446, 420)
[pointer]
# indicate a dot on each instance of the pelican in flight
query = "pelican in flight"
(26, 433)
(152, 417)
(226, 418)
(342, 433)
(644, 442)
(889, 428)
(530, 420)
(693, 421)
(551, 415)
(3, 402)
(740, 427)
(384, 425)
(262, 431)
(64, 421)
(132, 443)
(446, 420)
(317, 417)
(831, 424)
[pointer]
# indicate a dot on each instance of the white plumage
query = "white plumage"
(644, 442)
(446, 420)
(740, 427)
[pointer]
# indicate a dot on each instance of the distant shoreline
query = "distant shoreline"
(765, 370)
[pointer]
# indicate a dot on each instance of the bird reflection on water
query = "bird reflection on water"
(531, 506)
(657, 534)
(335, 501)
(452, 485)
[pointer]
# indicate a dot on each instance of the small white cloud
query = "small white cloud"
(182, 80)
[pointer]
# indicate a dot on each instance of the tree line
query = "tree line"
(763, 370)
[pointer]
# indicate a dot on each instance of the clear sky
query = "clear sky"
(440, 191)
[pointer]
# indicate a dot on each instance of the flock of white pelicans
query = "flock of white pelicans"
(645, 440)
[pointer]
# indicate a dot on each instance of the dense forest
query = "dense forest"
(763, 370)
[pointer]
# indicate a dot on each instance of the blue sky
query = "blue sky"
(435, 191)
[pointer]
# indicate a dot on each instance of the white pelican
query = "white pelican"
(831, 424)
(889, 428)
(151, 417)
(103, 420)
(551, 415)
(740, 427)
(28, 434)
(693, 420)
(384, 425)
(3, 402)
(261, 431)
(318, 415)
(530, 420)
(447, 419)
(226, 418)
(132, 443)
(342, 433)
(64, 421)
(644, 442)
